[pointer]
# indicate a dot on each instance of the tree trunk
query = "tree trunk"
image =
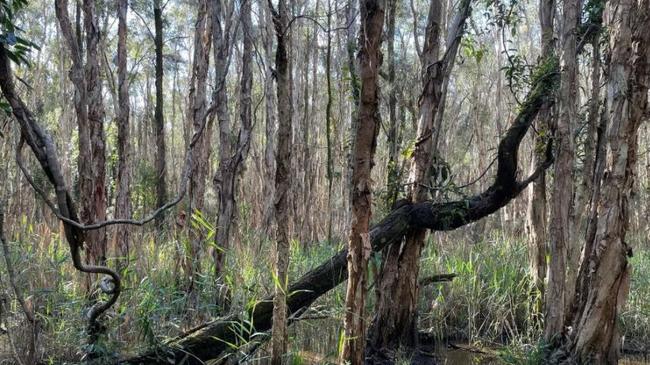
(89, 111)
(123, 203)
(604, 286)
(197, 118)
(355, 87)
(269, 125)
(592, 126)
(395, 323)
(95, 203)
(369, 59)
(560, 285)
(594, 166)
(245, 94)
(282, 180)
(393, 183)
(224, 179)
(328, 122)
(536, 224)
(234, 147)
(161, 153)
(585, 190)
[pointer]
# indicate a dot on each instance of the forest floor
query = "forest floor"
(488, 305)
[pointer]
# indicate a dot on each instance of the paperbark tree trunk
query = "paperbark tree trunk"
(560, 283)
(536, 225)
(197, 119)
(159, 117)
(224, 179)
(604, 285)
(393, 177)
(269, 125)
(395, 323)
(351, 47)
(234, 145)
(282, 180)
(328, 122)
(369, 59)
(594, 169)
(96, 243)
(90, 112)
(593, 120)
(96, 240)
(123, 202)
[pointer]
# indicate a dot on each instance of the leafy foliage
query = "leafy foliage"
(18, 47)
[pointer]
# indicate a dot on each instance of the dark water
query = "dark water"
(464, 357)
(450, 356)
(318, 341)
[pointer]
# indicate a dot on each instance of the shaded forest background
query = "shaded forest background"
(172, 83)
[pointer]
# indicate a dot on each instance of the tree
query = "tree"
(227, 223)
(392, 135)
(42, 146)
(537, 212)
(369, 59)
(328, 119)
(351, 48)
(282, 179)
(90, 114)
(197, 116)
(123, 202)
(603, 287)
(233, 144)
(159, 117)
(395, 324)
(269, 123)
(560, 237)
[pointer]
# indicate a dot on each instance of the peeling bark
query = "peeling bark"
(395, 323)
(369, 59)
(197, 115)
(561, 245)
(123, 200)
(604, 284)
(269, 125)
(393, 178)
(282, 180)
(90, 113)
(159, 116)
(536, 214)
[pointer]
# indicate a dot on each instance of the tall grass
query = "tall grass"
(491, 298)
(635, 318)
(489, 302)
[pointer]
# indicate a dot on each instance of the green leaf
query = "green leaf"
(5, 107)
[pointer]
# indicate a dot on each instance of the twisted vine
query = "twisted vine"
(64, 207)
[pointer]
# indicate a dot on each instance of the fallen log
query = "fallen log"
(213, 339)
(434, 279)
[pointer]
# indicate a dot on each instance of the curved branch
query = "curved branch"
(44, 150)
(43, 147)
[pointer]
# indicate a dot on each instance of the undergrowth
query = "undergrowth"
(490, 303)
